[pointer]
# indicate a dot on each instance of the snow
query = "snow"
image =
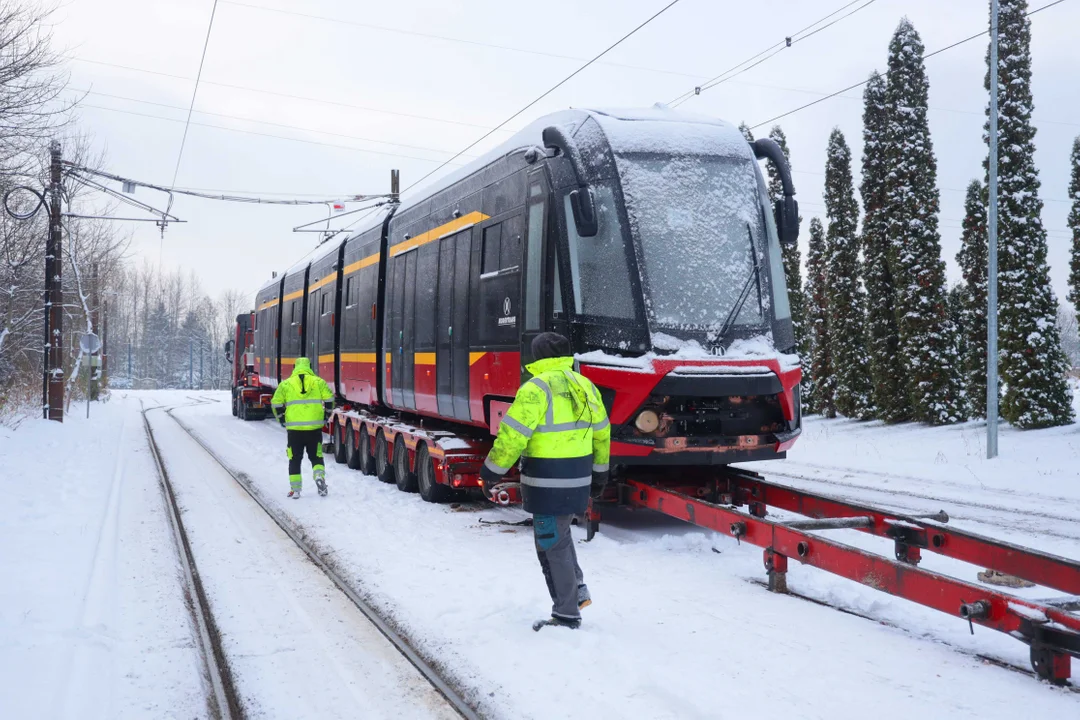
(758, 347)
(680, 624)
(279, 616)
(92, 616)
(1028, 612)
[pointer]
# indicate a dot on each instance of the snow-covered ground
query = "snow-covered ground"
(296, 646)
(92, 616)
(680, 626)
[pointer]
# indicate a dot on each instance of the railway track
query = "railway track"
(224, 701)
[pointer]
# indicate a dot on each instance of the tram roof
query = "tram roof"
(652, 129)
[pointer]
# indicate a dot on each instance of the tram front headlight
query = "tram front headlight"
(647, 421)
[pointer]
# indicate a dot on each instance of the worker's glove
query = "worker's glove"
(281, 420)
(489, 479)
(599, 482)
(326, 414)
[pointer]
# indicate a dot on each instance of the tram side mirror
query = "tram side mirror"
(786, 214)
(583, 205)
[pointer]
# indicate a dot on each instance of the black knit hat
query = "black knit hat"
(549, 345)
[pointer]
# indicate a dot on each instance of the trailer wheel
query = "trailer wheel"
(406, 481)
(367, 463)
(235, 412)
(383, 469)
(339, 443)
(243, 409)
(352, 455)
(430, 490)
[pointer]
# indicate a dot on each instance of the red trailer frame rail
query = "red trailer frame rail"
(1052, 632)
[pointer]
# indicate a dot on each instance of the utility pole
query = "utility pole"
(395, 186)
(129, 365)
(200, 364)
(95, 318)
(191, 364)
(53, 356)
(992, 259)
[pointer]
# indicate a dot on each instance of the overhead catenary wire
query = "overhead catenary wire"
(79, 171)
(257, 121)
(771, 51)
(195, 92)
(276, 93)
(262, 134)
(547, 92)
(863, 82)
(451, 39)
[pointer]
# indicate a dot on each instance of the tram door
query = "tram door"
(452, 326)
(543, 312)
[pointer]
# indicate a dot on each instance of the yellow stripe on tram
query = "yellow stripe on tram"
(438, 232)
(361, 264)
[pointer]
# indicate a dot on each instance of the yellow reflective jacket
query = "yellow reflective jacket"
(302, 395)
(559, 428)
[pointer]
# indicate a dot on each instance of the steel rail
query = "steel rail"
(224, 702)
(399, 641)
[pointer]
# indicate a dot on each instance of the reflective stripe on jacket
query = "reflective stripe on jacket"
(302, 395)
(559, 428)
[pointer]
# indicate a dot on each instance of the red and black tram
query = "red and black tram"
(646, 237)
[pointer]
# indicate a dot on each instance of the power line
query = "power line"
(769, 52)
(925, 57)
(261, 122)
(543, 95)
(450, 39)
(303, 98)
(261, 134)
(195, 92)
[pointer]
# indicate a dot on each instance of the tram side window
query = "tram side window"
(349, 299)
(322, 303)
(502, 246)
(599, 265)
(492, 240)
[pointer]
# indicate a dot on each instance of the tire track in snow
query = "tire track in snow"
(91, 647)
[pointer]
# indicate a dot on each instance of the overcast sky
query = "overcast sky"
(296, 105)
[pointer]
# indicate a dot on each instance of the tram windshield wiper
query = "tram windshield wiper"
(755, 277)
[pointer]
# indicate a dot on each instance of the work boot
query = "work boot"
(293, 495)
(583, 598)
(320, 480)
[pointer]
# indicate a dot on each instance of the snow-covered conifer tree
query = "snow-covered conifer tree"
(845, 297)
(1074, 226)
(972, 260)
(1035, 391)
(817, 316)
(746, 132)
(891, 401)
(928, 348)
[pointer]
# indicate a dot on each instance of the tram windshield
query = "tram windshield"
(699, 225)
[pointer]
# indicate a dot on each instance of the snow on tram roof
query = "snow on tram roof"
(651, 129)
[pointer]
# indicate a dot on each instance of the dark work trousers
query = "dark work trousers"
(300, 441)
(558, 559)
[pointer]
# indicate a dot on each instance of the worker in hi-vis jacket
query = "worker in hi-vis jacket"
(559, 428)
(307, 401)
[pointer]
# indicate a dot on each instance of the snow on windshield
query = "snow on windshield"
(693, 216)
